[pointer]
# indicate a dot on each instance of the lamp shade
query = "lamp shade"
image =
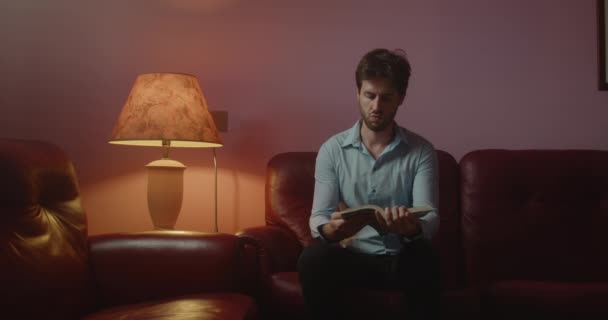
(166, 107)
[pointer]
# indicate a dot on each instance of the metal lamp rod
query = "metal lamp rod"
(215, 189)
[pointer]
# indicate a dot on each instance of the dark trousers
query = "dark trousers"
(328, 270)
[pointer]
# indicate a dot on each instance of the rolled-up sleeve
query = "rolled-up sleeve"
(326, 194)
(426, 190)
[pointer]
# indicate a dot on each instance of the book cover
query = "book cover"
(370, 209)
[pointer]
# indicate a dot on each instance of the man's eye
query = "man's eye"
(370, 96)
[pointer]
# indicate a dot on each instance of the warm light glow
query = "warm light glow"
(174, 143)
(196, 6)
(241, 201)
(166, 110)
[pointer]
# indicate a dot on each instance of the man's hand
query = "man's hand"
(338, 229)
(398, 220)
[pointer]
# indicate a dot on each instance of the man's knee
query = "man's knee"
(421, 251)
(314, 258)
(420, 259)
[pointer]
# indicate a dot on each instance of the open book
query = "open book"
(371, 208)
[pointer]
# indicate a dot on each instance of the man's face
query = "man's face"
(379, 102)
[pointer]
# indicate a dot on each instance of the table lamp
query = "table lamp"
(167, 110)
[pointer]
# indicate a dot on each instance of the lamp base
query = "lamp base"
(165, 192)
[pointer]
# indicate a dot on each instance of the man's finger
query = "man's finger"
(395, 214)
(336, 215)
(336, 223)
(388, 217)
(411, 218)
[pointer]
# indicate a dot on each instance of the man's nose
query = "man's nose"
(375, 105)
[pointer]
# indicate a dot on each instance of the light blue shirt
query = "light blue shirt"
(405, 174)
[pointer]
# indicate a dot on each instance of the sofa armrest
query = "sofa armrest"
(136, 267)
(278, 249)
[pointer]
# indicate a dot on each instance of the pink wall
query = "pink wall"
(487, 74)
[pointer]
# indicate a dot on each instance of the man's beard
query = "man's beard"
(385, 121)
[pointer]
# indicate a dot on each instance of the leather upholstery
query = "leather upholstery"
(534, 232)
(136, 267)
(530, 299)
(209, 306)
(448, 240)
(286, 293)
(529, 225)
(290, 182)
(289, 193)
(521, 235)
(43, 236)
(536, 215)
(50, 269)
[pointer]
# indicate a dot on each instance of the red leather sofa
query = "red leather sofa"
(522, 236)
(51, 269)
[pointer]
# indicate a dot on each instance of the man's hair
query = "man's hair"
(383, 63)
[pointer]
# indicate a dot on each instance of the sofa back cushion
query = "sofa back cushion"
(448, 240)
(43, 235)
(290, 183)
(535, 214)
(289, 193)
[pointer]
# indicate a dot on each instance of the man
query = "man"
(374, 162)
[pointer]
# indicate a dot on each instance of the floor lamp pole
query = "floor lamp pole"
(215, 190)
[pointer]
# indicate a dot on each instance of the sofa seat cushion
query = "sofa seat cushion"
(286, 293)
(515, 299)
(225, 306)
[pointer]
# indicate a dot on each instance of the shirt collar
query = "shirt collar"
(353, 137)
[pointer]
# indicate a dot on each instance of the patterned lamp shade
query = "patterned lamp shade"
(166, 109)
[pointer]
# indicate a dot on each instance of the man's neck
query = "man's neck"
(376, 141)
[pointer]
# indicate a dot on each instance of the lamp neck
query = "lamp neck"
(166, 146)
